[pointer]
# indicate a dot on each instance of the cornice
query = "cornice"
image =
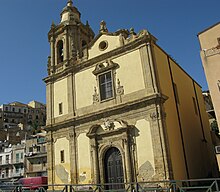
(155, 98)
(57, 30)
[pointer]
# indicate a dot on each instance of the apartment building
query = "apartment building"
(36, 156)
(27, 158)
(209, 40)
(11, 161)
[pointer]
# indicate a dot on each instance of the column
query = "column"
(96, 161)
(127, 161)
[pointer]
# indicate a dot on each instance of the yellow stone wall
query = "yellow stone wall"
(129, 73)
(208, 149)
(113, 43)
(171, 120)
(62, 170)
(84, 162)
(145, 155)
(195, 147)
(85, 83)
(190, 121)
(60, 96)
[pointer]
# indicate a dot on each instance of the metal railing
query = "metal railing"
(193, 185)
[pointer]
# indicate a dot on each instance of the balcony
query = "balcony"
(18, 162)
(5, 164)
(34, 155)
(18, 174)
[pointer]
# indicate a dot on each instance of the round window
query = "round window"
(103, 45)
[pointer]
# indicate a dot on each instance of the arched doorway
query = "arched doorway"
(113, 169)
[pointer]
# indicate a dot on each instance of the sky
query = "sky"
(24, 25)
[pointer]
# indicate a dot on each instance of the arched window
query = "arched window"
(83, 43)
(60, 51)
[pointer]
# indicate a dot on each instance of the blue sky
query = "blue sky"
(25, 24)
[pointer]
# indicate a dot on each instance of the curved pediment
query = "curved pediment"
(107, 126)
(104, 66)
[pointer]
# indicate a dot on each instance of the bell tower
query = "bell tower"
(68, 46)
(68, 38)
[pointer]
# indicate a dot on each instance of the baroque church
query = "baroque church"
(120, 109)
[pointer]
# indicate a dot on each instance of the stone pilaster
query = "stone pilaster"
(127, 161)
(147, 71)
(73, 167)
(73, 155)
(52, 51)
(95, 161)
(70, 93)
(50, 102)
(50, 158)
(160, 145)
(152, 68)
(67, 46)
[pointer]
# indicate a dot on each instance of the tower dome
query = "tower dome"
(70, 13)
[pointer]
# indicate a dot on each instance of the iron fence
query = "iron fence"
(193, 185)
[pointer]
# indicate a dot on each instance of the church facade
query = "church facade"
(119, 109)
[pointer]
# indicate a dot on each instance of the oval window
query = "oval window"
(103, 45)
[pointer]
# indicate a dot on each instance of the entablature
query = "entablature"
(147, 102)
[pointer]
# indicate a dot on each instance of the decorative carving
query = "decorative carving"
(154, 116)
(102, 67)
(48, 61)
(120, 88)
(74, 52)
(132, 31)
(143, 33)
(50, 69)
(95, 96)
(212, 51)
(122, 123)
(53, 25)
(77, 55)
(71, 135)
(109, 125)
(93, 146)
(103, 28)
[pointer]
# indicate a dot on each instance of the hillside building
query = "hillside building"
(29, 116)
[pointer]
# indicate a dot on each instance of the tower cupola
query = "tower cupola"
(70, 13)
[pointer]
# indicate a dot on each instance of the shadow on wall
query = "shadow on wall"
(62, 173)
